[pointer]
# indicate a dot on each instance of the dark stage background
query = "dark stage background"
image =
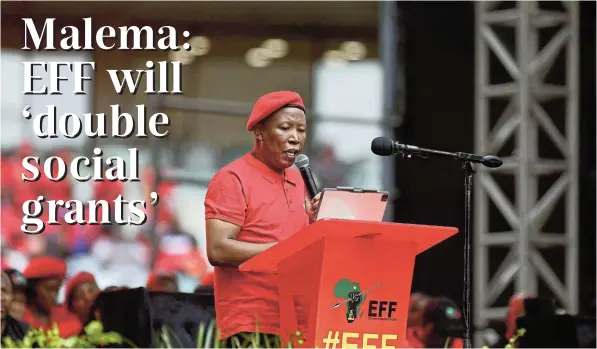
(439, 67)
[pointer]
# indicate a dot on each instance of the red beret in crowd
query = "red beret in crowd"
(271, 102)
(45, 267)
(77, 280)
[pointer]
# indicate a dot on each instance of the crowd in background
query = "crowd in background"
(103, 249)
(29, 299)
(54, 276)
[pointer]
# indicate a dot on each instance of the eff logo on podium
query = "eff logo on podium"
(354, 297)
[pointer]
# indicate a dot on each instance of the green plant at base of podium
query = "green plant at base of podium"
(94, 337)
(208, 334)
(513, 341)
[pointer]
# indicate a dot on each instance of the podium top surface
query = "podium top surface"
(424, 237)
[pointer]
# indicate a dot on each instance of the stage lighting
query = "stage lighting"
(200, 45)
(335, 57)
(354, 50)
(276, 48)
(257, 57)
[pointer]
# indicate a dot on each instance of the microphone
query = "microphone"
(385, 146)
(302, 162)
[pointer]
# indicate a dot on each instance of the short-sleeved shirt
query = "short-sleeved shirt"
(269, 207)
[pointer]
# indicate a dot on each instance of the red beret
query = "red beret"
(77, 280)
(44, 268)
(269, 103)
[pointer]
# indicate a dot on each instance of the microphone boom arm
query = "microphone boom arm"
(408, 151)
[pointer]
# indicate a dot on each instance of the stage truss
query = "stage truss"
(523, 117)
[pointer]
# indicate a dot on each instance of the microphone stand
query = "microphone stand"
(467, 161)
(469, 171)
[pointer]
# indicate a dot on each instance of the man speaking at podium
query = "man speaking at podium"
(251, 204)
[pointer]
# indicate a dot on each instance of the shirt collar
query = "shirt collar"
(266, 172)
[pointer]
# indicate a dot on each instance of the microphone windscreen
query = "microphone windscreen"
(492, 161)
(382, 146)
(301, 161)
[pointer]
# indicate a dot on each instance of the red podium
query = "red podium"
(345, 283)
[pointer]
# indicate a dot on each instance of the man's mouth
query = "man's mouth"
(291, 153)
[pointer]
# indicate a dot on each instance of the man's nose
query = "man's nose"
(294, 137)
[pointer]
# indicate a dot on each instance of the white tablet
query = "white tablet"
(353, 203)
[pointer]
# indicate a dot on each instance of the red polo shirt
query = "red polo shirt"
(268, 206)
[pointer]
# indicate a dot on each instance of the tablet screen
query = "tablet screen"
(353, 205)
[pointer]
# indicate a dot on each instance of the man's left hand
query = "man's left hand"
(312, 207)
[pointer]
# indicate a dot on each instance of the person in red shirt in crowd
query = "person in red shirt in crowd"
(44, 276)
(418, 301)
(162, 282)
(251, 204)
(19, 285)
(515, 310)
(178, 251)
(80, 294)
(11, 328)
(442, 325)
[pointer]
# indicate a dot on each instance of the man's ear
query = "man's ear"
(258, 132)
